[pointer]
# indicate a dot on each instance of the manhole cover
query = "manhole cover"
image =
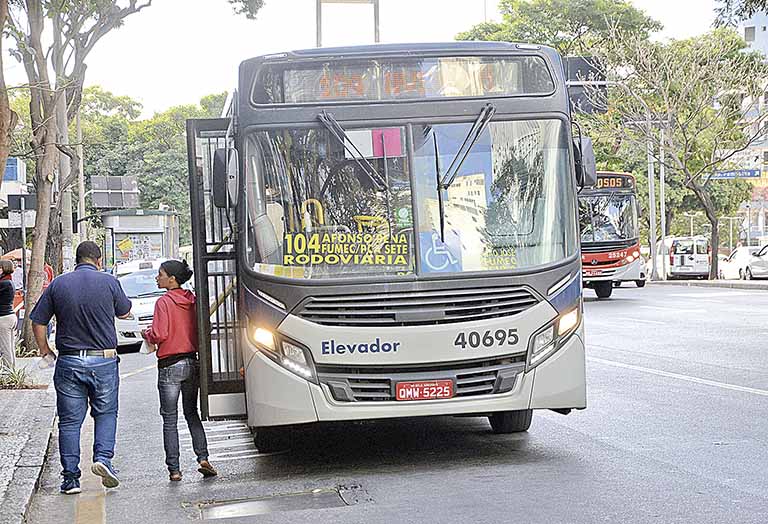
(315, 499)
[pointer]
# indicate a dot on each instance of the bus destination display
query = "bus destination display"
(615, 182)
(413, 79)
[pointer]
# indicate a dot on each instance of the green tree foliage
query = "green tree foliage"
(730, 12)
(703, 94)
(117, 143)
(570, 26)
(249, 8)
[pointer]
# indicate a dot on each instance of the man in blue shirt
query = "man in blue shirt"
(85, 303)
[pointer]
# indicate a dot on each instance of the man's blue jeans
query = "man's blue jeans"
(80, 382)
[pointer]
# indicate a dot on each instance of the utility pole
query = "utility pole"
(662, 198)
(82, 225)
(652, 203)
(64, 161)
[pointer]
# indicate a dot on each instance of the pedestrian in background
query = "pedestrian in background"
(7, 316)
(85, 303)
(174, 331)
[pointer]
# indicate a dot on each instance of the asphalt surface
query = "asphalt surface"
(676, 431)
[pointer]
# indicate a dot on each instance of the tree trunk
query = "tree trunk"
(44, 170)
(53, 246)
(710, 212)
(7, 117)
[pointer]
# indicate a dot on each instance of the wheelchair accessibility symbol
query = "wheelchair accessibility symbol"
(439, 256)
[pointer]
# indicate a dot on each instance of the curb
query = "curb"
(29, 467)
(727, 284)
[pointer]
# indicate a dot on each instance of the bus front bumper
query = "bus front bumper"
(630, 272)
(557, 383)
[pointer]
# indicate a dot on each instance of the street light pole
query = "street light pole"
(662, 202)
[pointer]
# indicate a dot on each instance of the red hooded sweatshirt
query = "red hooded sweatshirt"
(174, 326)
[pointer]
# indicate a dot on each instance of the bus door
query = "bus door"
(214, 241)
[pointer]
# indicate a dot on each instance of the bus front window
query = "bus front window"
(318, 208)
(508, 207)
(608, 217)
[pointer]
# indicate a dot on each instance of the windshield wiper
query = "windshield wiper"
(479, 125)
(440, 202)
(333, 126)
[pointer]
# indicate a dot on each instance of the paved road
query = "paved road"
(676, 431)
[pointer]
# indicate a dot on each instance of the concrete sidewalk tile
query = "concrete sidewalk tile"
(25, 432)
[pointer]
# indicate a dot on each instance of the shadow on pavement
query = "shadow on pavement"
(418, 444)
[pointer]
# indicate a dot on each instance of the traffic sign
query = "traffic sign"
(736, 173)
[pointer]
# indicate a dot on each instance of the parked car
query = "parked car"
(141, 288)
(734, 266)
(758, 264)
(136, 265)
(686, 257)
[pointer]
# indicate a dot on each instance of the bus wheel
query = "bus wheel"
(271, 439)
(748, 275)
(603, 289)
(640, 283)
(511, 421)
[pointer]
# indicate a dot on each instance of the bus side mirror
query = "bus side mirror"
(586, 166)
(225, 178)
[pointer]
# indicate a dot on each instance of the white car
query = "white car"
(141, 288)
(136, 265)
(758, 264)
(735, 265)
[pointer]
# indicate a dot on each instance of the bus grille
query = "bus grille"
(438, 306)
(604, 247)
(376, 383)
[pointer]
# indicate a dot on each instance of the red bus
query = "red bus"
(610, 234)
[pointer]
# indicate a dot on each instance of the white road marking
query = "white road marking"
(712, 294)
(136, 372)
(674, 309)
(678, 376)
(641, 320)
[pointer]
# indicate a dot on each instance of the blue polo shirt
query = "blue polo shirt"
(85, 303)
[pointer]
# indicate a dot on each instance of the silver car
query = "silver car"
(758, 264)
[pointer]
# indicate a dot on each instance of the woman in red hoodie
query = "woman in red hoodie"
(174, 331)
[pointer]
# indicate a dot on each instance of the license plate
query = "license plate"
(427, 390)
(592, 273)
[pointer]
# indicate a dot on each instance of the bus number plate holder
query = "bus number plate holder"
(424, 390)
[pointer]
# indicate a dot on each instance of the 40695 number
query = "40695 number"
(490, 338)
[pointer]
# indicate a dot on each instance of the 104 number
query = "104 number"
(476, 339)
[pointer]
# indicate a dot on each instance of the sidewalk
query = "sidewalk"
(755, 285)
(25, 430)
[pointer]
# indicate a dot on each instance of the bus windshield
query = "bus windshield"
(608, 217)
(320, 208)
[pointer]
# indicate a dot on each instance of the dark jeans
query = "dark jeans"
(181, 377)
(80, 382)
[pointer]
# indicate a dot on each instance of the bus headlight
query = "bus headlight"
(289, 354)
(551, 338)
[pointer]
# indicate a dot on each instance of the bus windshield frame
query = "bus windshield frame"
(408, 158)
(617, 211)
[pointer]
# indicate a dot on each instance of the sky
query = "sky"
(177, 51)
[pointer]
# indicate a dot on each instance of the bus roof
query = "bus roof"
(405, 49)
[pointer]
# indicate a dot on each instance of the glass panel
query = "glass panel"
(608, 217)
(682, 247)
(509, 205)
(140, 284)
(318, 209)
(395, 79)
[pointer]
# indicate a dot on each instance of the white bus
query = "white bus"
(390, 231)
